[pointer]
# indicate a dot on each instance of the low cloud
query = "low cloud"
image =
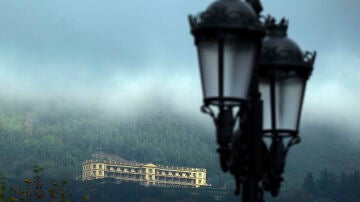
(134, 56)
(333, 93)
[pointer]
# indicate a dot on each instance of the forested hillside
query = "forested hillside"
(59, 135)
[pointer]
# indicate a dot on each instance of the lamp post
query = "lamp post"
(253, 81)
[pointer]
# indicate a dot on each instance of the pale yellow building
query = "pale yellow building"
(145, 174)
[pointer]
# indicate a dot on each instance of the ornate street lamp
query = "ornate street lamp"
(228, 37)
(264, 79)
(283, 72)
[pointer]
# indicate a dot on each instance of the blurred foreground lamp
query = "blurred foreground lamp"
(228, 37)
(263, 78)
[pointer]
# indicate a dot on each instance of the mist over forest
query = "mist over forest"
(121, 77)
(61, 133)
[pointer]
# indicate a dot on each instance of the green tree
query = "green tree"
(309, 184)
(2, 187)
(327, 184)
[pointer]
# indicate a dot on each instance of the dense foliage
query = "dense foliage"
(38, 188)
(61, 136)
(345, 187)
(327, 187)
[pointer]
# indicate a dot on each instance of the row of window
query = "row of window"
(122, 175)
(87, 167)
(93, 173)
(143, 170)
(139, 177)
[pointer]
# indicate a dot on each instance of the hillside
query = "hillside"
(60, 135)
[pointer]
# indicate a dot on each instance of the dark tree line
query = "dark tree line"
(39, 188)
(345, 187)
(326, 187)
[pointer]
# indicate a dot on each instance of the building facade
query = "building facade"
(145, 174)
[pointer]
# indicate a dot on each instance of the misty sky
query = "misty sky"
(125, 53)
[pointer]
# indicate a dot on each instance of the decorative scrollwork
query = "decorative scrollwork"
(274, 28)
(207, 110)
(309, 57)
(293, 141)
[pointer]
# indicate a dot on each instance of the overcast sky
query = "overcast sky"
(126, 52)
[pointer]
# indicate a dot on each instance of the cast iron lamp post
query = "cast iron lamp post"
(253, 80)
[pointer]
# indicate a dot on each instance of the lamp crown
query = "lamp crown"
(231, 16)
(276, 29)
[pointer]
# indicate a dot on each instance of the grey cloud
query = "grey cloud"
(95, 31)
(320, 24)
(110, 49)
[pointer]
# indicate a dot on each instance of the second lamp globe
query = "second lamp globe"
(284, 71)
